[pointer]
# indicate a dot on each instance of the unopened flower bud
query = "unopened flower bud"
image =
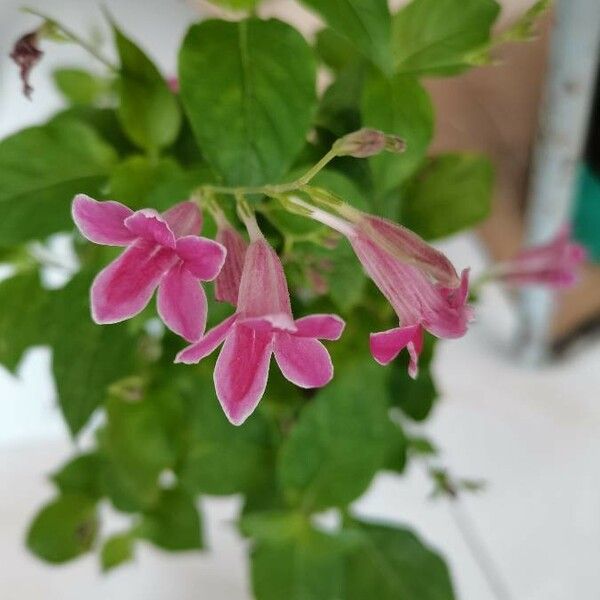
(361, 144)
(368, 142)
(26, 54)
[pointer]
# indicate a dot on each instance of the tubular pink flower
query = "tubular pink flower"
(227, 284)
(555, 264)
(419, 282)
(263, 325)
(419, 302)
(162, 251)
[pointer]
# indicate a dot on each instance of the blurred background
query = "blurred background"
(532, 433)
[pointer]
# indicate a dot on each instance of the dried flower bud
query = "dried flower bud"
(26, 55)
(361, 143)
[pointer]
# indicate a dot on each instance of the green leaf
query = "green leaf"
(274, 526)
(335, 50)
(174, 524)
(64, 529)
(140, 182)
(139, 447)
(117, 549)
(436, 37)
(365, 23)
(103, 121)
(236, 4)
(22, 302)
(339, 111)
(148, 111)
(450, 193)
(415, 397)
(523, 29)
(339, 441)
(310, 566)
(86, 357)
(396, 457)
(222, 459)
(42, 169)
(399, 106)
(393, 561)
(249, 91)
(81, 475)
(79, 86)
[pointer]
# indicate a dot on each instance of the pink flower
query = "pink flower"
(555, 264)
(420, 303)
(263, 325)
(420, 283)
(162, 251)
(227, 284)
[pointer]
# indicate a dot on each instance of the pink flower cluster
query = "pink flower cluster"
(165, 252)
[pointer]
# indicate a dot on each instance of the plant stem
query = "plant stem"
(478, 549)
(75, 38)
(273, 190)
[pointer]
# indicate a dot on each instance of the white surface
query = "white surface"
(533, 435)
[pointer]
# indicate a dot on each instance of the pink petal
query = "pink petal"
(125, 287)
(181, 303)
(227, 284)
(149, 225)
(263, 288)
(202, 348)
(406, 246)
(201, 256)
(303, 361)
(386, 345)
(324, 327)
(415, 347)
(102, 222)
(242, 371)
(184, 218)
(280, 322)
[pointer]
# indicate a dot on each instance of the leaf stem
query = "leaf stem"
(478, 549)
(74, 37)
(273, 190)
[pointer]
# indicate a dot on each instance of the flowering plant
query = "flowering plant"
(290, 202)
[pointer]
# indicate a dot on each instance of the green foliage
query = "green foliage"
(140, 182)
(64, 529)
(117, 549)
(236, 4)
(366, 24)
(339, 442)
(87, 359)
(400, 106)
(393, 561)
(174, 523)
(308, 565)
(79, 86)
(450, 193)
(81, 475)
(20, 295)
(249, 91)
(148, 111)
(252, 117)
(137, 442)
(222, 459)
(42, 169)
(437, 37)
